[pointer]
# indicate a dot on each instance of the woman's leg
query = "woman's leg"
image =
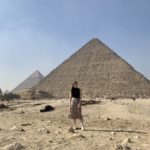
(82, 125)
(81, 119)
(75, 126)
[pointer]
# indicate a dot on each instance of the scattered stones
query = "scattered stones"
(71, 130)
(122, 147)
(78, 135)
(14, 146)
(17, 129)
(90, 102)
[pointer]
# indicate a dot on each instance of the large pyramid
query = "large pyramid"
(99, 71)
(30, 82)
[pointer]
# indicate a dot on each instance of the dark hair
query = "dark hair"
(75, 82)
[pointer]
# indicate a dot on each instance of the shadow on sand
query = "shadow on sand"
(115, 130)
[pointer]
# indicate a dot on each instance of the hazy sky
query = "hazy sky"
(40, 34)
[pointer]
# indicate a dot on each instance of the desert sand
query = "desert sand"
(110, 125)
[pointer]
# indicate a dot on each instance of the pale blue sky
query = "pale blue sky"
(40, 34)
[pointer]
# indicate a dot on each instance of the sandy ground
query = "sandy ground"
(109, 125)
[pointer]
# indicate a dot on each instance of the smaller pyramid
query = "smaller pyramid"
(29, 82)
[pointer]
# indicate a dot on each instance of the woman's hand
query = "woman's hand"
(79, 106)
(69, 109)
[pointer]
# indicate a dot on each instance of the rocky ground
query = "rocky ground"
(110, 125)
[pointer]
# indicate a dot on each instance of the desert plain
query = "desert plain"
(109, 125)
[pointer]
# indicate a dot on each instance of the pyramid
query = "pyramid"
(28, 83)
(100, 73)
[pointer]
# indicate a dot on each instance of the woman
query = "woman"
(75, 105)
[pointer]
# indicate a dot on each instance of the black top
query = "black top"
(75, 92)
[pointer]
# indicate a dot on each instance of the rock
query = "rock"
(126, 141)
(47, 108)
(14, 146)
(0, 129)
(71, 130)
(122, 147)
(26, 124)
(2, 106)
(50, 141)
(118, 147)
(126, 147)
(107, 118)
(49, 121)
(137, 137)
(113, 133)
(22, 130)
(75, 135)
(57, 132)
(92, 136)
(110, 138)
(43, 130)
(99, 117)
(14, 128)
(47, 131)
(81, 136)
(22, 112)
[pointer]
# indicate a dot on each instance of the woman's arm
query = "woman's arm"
(70, 101)
(80, 102)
